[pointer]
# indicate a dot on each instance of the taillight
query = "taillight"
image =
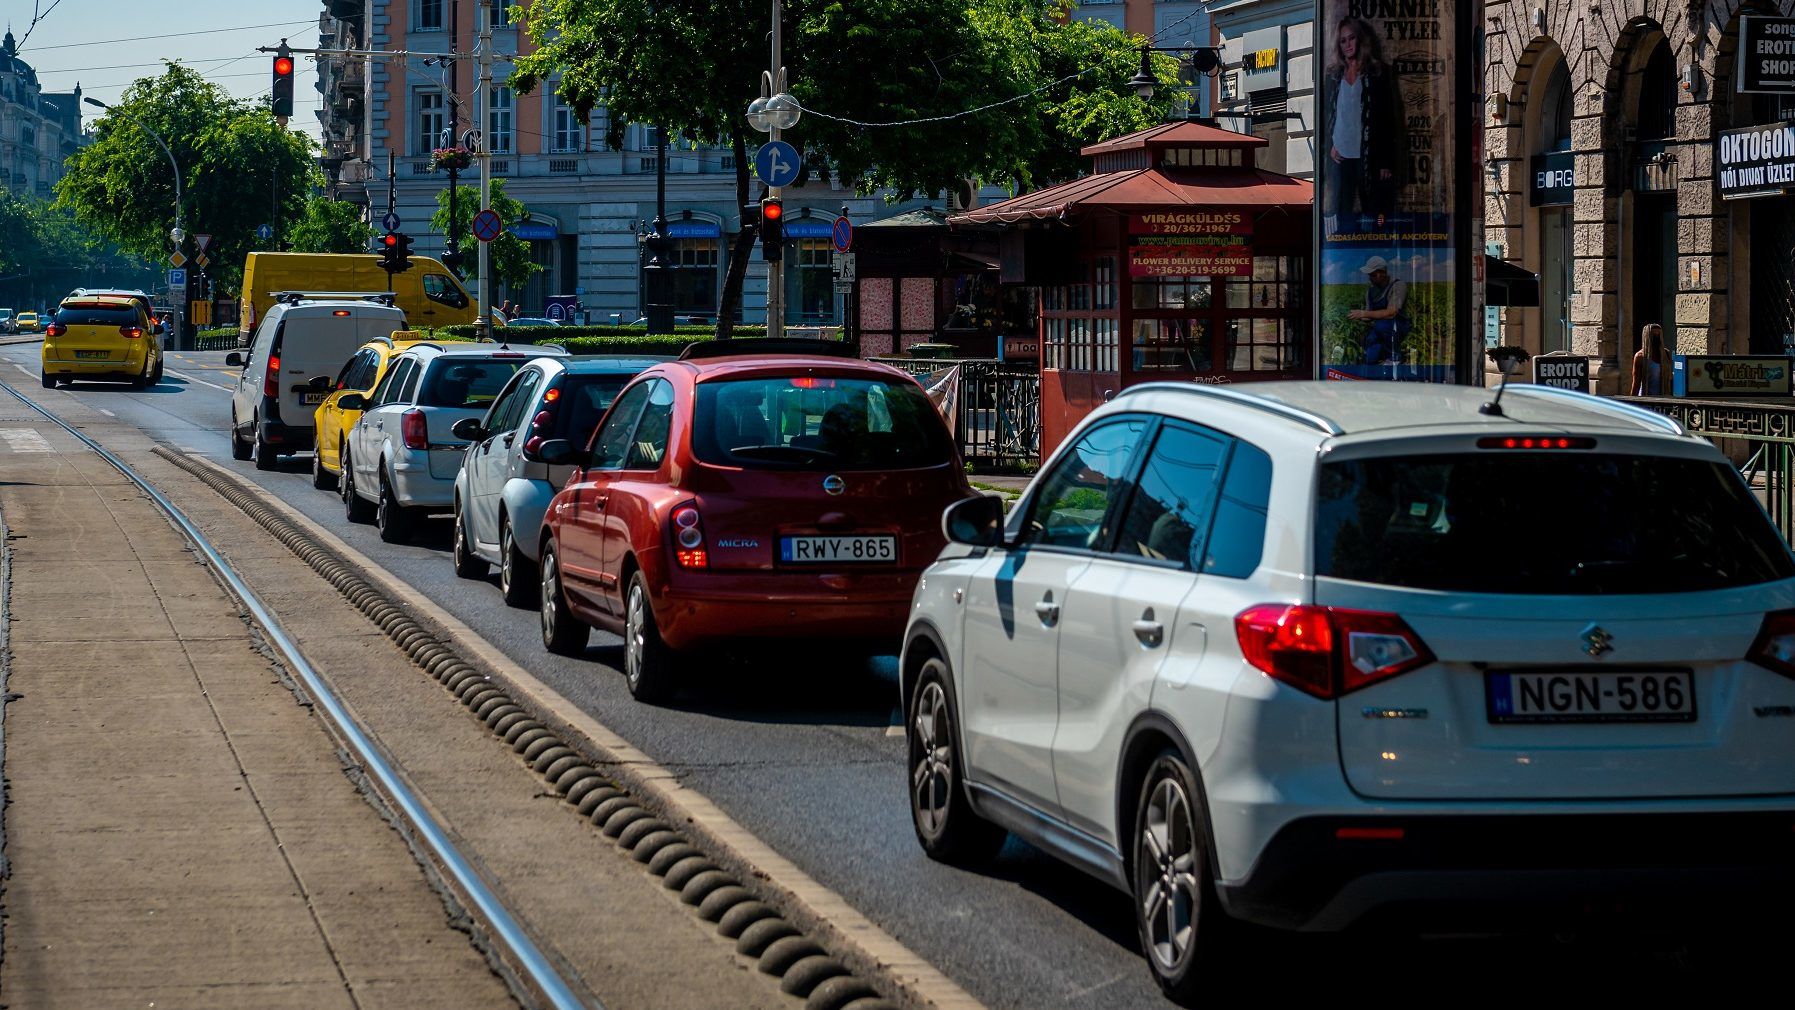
(271, 377)
(414, 429)
(1534, 442)
(1774, 649)
(688, 538)
(130, 332)
(540, 427)
(1328, 651)
(55, 330)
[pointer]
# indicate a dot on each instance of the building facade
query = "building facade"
(1603, 127)
(39, 130)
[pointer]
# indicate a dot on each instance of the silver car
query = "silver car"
(503, 489)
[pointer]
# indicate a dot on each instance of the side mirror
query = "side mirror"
(352, 401)
(560, 452)
(468, 428)
(976, 521)
(236, 359)
(320, 384)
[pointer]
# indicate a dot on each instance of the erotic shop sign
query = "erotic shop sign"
(1191, 222)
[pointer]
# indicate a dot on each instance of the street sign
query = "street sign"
(177, 278)
(488, 226)
(843, 267)
(843, 287)
(201, 259)
(1564, 372)
(202, 241)
(390, 222)
(177, 260)
(265, 232)
(844, 234)
(777, 163)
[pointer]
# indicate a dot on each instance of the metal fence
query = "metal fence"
(218, 342)
(997, 409)
(1759, 437)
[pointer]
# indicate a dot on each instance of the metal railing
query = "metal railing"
(997, 409)
(1763, 444)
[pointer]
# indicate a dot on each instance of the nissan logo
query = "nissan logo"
(833, 484)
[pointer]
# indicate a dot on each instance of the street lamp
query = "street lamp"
(1206, 60)
(660, 310)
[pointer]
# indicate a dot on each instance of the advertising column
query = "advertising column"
(1394, 244)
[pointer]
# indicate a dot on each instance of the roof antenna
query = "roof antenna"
(1508, 358)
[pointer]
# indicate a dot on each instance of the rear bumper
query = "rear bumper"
(1540, 868)
(286, 437)
(861, 610)
(128, 367)
(414, 484)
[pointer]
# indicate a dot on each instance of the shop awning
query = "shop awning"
(1149, 189)
(1507, 285)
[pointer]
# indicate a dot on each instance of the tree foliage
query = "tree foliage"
(239, 169)
(330, 226)
(511, 263)
(44, 252)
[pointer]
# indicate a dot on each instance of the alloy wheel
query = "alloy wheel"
(548, 610)
(1170, 888)
(505, 551)
(932, 777)
(634, 635)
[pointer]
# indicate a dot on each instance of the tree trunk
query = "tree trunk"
(729, 304)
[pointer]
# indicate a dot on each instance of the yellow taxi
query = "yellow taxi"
(360, 374)
(111, 339)
(25, 322)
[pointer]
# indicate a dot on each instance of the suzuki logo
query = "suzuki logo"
(833, 484)
(1597, 642)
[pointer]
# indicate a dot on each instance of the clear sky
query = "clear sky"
(107, 44)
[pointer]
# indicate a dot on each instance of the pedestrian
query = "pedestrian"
(1651, 363)
(1386, 309)
(507, 311)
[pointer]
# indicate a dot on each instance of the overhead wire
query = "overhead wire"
(175, 35)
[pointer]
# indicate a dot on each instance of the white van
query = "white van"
(291, 366)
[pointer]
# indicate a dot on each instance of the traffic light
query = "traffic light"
(772, 229)
(395, 252)
(282, 91)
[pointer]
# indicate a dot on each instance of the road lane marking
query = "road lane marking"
(191, 378)
(103, 410)
(27, 371)
(24, 440)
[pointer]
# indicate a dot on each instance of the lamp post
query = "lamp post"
(1205, 60)
(176, 234)
(775, 110)
(657, 273)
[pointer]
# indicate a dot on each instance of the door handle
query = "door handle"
(510, 436)
(1149, 631)
(600, 499)
(1048, 611)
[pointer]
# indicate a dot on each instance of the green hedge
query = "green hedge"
(563, 334)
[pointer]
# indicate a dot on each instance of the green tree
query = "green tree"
(239, 169)
(693, 67)
(330, 226)
(511, 264)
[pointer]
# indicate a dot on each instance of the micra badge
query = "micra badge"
(1597, 642)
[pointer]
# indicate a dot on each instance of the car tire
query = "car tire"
(156, 376)
(356, 509)
(266, 458)
(650, 668)
(142, 380)
(322, 479)
(1184, 931)
(518, 578)
(49, 381)
(947, 827)
(562, 633)
(468, 565)
(241, 449)
(392, 519)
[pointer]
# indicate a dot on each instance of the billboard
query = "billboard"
(1390, 214)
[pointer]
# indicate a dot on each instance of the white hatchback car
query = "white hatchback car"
(1297, 653)
(401, 458)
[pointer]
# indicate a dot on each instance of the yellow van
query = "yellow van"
(428, 293)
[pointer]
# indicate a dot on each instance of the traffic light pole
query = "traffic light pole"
(483, 123)
(776, 267)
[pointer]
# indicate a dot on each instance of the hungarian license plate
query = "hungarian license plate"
(838, 550)
(1567, 696)
(310, 399)
(102, 355)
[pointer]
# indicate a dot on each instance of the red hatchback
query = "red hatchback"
(730, 497)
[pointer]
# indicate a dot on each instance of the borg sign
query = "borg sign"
(1561, 372)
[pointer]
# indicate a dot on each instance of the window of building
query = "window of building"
(498, 127)
(430, 120)
(428, 16)
(1080, 322)
(1555, 225)
(568, 131)
(501, 15)
(1658, 95)
(810, 281)
(694, 262)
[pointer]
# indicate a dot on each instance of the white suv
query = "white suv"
(401, 458)
(1299, 653)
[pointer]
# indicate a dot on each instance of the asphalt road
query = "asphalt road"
(805, 754)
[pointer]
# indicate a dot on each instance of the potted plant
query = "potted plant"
(459, 158)
(1508, 357)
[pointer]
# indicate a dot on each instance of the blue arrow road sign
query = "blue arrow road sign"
(390, 222)
(265, 232)
(177, 278)
(777, 163)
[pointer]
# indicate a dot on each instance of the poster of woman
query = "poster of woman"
(1388, 258)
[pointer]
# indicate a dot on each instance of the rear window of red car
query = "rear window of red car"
(811, 422)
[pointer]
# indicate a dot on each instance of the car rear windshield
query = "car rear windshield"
(76, 316)
(584, 399)
(800, 422)
(1577, 523)
(458, 382)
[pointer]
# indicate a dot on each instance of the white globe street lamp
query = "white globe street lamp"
(757, 115)
(783, 110)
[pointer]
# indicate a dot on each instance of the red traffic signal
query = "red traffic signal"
(389, 240)
(283, 65)
(772, 230)
(280, 94)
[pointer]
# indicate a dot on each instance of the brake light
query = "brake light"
(540, 426)
(1370, 834)
(271, 377)
(1774, 649)
(688, 538)
(415, 429)
(55, 330)
(551, 396)
(130, 332)
(1534, 442)
(809, 382)
(340, 312)
(1328, 651)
